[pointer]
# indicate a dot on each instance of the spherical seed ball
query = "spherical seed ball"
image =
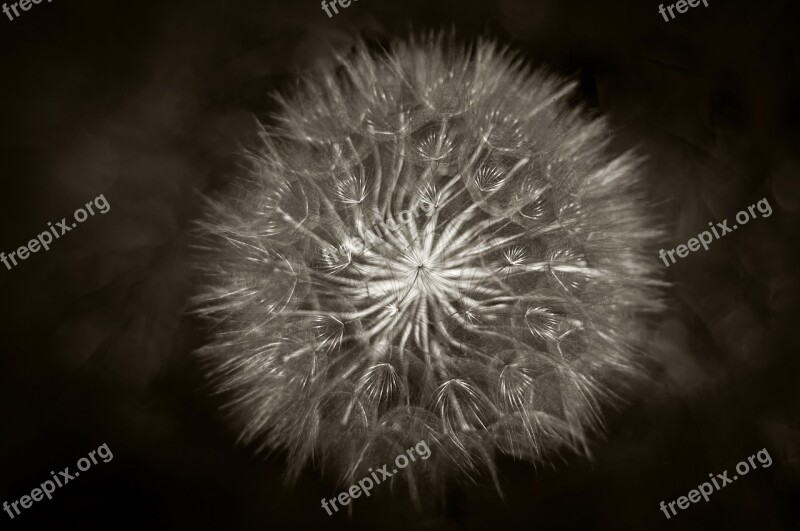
(430, 246)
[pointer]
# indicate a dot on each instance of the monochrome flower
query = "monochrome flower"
(498, 321)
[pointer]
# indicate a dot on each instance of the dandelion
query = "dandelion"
(496, 322)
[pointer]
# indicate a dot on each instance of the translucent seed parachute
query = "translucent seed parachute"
(493, 310)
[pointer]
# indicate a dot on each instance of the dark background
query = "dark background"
(148, 102)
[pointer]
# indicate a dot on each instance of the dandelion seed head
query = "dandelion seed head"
(430, 245)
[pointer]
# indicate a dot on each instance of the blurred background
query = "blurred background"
(148, 103)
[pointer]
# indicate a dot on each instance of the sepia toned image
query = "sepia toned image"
(359, 264)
